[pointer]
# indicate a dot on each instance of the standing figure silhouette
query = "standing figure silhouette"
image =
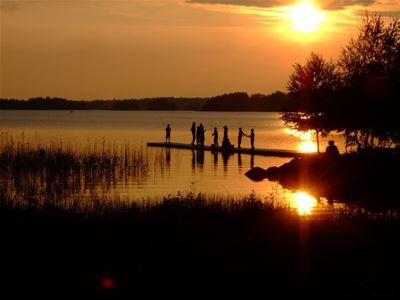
(240, 135)
(168, 134)
(198, 134)
(193, 130)
(201, 134)
(252, 137)
(215, 135)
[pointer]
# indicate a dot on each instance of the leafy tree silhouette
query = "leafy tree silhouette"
(358, 94)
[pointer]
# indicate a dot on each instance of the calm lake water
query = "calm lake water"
(182, 171)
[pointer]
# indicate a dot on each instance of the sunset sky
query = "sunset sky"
(84, 49)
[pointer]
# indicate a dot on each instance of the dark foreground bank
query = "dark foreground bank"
(369, 179)
(194, 249)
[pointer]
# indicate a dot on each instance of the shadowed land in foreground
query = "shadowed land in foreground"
(190, 247)
(368, 179)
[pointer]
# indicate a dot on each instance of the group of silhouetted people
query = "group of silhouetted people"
(225, 141)
(198, 136)
(242, 134)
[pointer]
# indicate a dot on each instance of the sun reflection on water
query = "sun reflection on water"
(304, 203)
(306, 143)
(307, 146)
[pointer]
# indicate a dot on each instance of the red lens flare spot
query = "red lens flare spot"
(107, 283)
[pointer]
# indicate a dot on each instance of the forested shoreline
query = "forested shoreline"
(240, 101)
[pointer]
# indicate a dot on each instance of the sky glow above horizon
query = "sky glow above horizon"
(134, 49)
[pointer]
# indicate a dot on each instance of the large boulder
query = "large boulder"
(256, 174)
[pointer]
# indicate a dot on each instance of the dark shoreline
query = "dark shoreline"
(369, 179)
(188, 248)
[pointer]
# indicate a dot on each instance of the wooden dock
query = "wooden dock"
(258, 151)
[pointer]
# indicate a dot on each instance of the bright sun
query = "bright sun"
(306, 18)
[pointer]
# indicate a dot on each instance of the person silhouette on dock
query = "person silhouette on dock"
(226, 144)
(332, 150)
(200, 135)
(198, 128)
(240, 135)
(203, 135)
(252, 137)
(215, 135)
(193, 130)
(168, 134)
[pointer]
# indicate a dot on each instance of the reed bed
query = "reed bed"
(56, 171)
(18, 155)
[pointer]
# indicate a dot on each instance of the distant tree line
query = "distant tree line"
(358, 94)
(50, 103)
(276, 102)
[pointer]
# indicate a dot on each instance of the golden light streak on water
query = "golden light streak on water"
(304, 203)
(307, 140)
